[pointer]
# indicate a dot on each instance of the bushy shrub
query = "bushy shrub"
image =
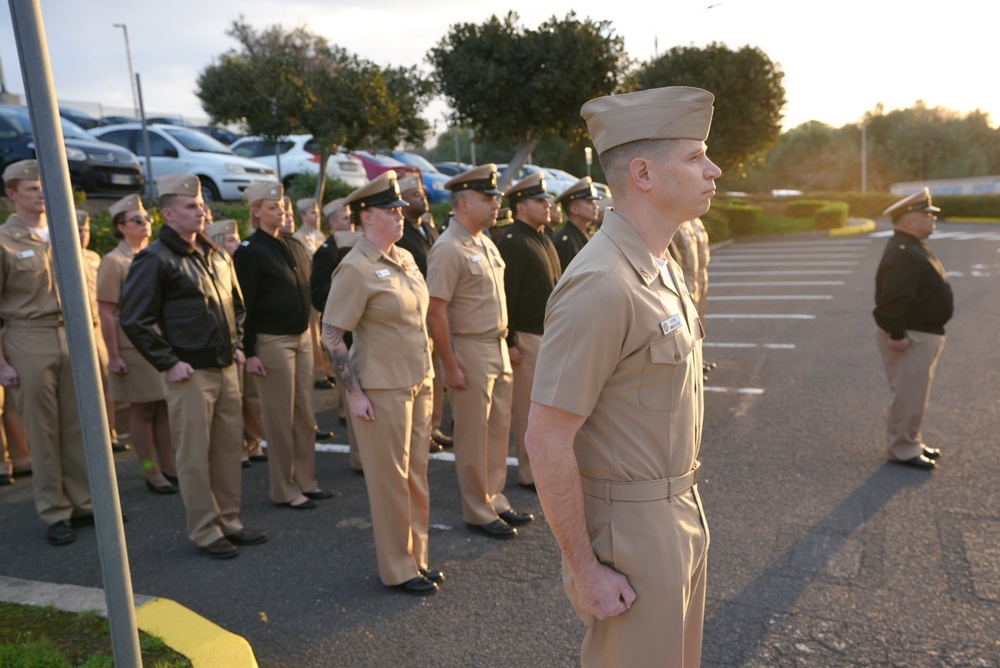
(804, 208)
(742, 218)
(832, 216)
(716, 225)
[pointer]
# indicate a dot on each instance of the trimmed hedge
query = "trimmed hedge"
(742, 217)
(716, 225)
(832, 216)
(804, 208)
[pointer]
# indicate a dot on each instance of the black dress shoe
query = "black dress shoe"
(441, 438)
(932, 453)
(323, 435)
(516, 519)
(305, 505)
(247, 537)
(119, 446)
(26, 473)
(918, 462)
(5, 480)
(434, 446)
(437, 577)
(323, 384)
(246, 463)
(319, 495)
(161, 489)
(220, 548)
(495, 529)
(61, 533)
(262, 457)
(418, 586)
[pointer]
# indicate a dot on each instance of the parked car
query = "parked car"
(451, 169)
(377, 163)
(227, 137)
(116, 120)
(98, 168)
(300, 154)
(180, 150)
(433, 179)
(84, 120)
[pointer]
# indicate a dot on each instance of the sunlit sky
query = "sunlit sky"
(839, 59)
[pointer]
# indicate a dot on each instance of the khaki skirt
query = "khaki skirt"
(142, 384)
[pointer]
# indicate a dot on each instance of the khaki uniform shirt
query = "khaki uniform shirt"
(684, 249)
(28, 287)
(311, 240)
(110, 279)
(468, 273)
(623, 346)
(384, 303)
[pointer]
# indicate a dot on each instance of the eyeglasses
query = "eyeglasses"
(141, 220)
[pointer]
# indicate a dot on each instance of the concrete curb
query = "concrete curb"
(206, 644)
(858, 228)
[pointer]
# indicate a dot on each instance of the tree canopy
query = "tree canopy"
(520, 85)
(749, 97)
(280, 82)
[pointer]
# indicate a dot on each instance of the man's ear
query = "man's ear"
(638, 173)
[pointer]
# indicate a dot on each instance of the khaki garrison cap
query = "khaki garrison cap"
(178, 184)
(530, 187)
(675, 112)
(305, 203)
(265, 190)
(221, 228)
(482, 178)
(22, 170)
(582, 189)
(333, 207)
(918, 201)
(382, 192)
(127, 203)
(409, 182)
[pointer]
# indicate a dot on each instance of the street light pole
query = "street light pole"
(131, 72)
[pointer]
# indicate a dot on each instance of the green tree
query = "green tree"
(279, 82)
(515, 85)
(749, 97)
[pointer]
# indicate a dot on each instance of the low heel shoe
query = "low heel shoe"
(418, 586)
(495, 529)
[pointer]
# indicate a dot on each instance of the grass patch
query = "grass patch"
(33, 637)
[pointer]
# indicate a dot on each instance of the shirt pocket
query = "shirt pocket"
(28, 273)
(667, 371)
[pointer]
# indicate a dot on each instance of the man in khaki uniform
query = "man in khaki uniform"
(684, 250)
(704, 257)
(468, 322)
(34, 357)
(615, 427)
(182, 308)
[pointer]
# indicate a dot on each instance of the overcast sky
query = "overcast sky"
(839, 59)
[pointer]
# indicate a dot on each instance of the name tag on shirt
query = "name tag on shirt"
(476, 258)
(382, 273)
(671, 324)
(25, 253)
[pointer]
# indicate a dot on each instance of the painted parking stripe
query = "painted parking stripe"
(723, 263)
(725, 257)
(735, 390)
(953, 236)
(769, 346)
(341, 449)
(761, 316)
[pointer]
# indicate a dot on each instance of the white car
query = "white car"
(179, 150)
(300, 155)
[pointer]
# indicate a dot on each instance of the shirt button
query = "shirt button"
(677, 357)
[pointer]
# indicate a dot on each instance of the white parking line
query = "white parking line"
(735, 390)
(723, 263)
(764, 298)
(772, 284)
(723, 257)
(762, 316)
(771, 346)
(341, 449)
(785, 245)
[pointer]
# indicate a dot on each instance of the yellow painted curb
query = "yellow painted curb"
(864, 228)
(206, 644)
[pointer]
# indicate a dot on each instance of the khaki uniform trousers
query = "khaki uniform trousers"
(46, 398)
(321, 366)
(286, 410)
(206, 425)
(662, 548)
(437, 415)
(344, 408)
(524, 376)
(910, 374)
(482, 427)
(253, 431)
(394, 452)
(13, 437)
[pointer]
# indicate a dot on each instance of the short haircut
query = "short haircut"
(82, 217)
(515, 205)
(615, 160)
(355, 217)
(456, 197)
(167, 201)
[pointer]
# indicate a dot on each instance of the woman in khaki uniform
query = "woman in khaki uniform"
(131, 378)
(379, 294)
